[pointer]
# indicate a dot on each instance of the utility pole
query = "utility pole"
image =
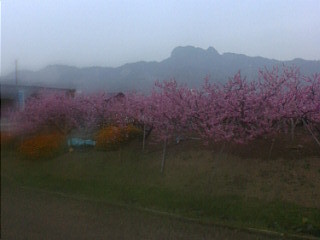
(20, 91)
(16, 68)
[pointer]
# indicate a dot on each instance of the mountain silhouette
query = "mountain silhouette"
(187, 64)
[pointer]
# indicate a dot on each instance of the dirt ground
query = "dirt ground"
(32, 214)
(284, 174)
(288, 176)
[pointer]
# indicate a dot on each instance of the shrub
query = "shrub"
(112, 137)
(132, 131)
(109, 138)
(7, 139)
(42, 145)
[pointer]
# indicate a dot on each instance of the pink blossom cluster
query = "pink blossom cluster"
(239, 110)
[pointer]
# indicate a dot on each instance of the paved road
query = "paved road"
(32, 214)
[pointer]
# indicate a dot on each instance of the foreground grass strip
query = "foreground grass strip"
(252, 216)
(130, 179)
(175, 216)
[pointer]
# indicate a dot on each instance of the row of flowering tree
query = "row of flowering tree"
(238, 111)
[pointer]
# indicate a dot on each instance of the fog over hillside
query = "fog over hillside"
(187, 64)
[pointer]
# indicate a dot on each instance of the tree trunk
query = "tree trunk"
(293, 125)
(222, 148)
(270, 151)
(312, 134)
(144, 137)
(164, 155)
(148, 132)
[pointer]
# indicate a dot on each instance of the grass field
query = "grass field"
(212, 187)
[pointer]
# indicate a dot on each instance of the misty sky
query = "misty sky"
(111, 33)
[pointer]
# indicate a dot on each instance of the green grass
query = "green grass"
(130, 177)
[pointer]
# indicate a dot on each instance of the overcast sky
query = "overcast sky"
(111, 33)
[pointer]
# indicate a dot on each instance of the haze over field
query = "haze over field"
(101, 34)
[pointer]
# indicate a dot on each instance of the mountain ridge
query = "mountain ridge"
(186, 64)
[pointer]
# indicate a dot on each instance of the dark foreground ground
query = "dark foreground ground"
(32, 214)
